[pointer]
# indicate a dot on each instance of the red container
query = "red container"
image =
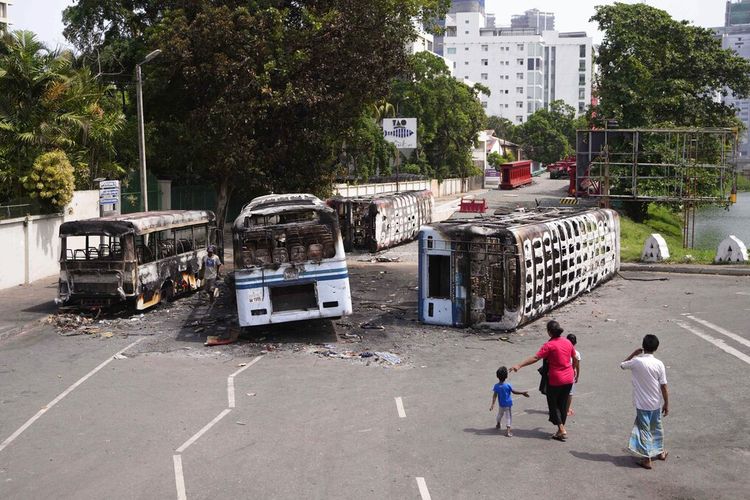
(475, 206)
(515, 174)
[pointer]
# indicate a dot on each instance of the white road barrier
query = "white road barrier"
(655, 249)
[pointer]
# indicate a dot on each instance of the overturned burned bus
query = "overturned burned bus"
(289, 261)
(139, 258)
(381, 221)
(508, 269)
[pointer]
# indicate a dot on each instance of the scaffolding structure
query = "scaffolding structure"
(687, 167)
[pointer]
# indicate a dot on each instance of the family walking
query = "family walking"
(560, 372)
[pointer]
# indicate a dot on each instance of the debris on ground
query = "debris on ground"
(213, 340)
(389, 357)
(371, 326)
(120, 356)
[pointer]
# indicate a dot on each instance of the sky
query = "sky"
(44, 17)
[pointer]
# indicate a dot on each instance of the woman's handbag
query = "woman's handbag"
(544, 372)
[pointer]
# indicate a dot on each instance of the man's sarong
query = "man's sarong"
(647, 438)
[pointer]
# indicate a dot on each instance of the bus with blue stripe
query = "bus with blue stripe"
(289, 261)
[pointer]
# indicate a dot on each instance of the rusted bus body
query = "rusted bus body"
(138, 258)
(382, 221)
(508, 269)
(290, 263)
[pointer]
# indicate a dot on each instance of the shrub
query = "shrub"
(51, 180)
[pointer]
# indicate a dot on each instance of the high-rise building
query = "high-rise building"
(735, 35)
(540, 21)
(525, 68)
(4, 16)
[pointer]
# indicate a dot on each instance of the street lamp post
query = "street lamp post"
(141, 133)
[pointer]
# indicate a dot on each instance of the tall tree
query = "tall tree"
(504, 128)
(541, 140)
(265, 108)
(654, 69)
(449, 113)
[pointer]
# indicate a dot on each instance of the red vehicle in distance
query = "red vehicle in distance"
(559, 169)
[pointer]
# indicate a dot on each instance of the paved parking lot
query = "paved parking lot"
(160, 424)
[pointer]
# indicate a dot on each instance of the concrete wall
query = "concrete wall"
(448, 187)
(31, 246)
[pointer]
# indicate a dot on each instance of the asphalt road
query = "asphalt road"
(303, 426)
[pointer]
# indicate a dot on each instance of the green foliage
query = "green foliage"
(504, 128)
(47, 104)
(51, 180)
(365, 153)
(269, 108)
(743, 183)
(449, 115)
(660, 219)
(496, 159)
(654, 69)
(540, 140)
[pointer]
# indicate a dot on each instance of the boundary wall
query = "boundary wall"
(31, 244)
(447, 187)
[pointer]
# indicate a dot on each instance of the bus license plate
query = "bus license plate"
(291, 273)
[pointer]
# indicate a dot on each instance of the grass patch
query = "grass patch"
(743, 183)
(665, 222)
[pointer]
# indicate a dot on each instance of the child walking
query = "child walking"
(501, 393)
(577, 369)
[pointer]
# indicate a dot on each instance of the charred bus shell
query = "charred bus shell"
(139, 258)
(510, 268)
(377, 222)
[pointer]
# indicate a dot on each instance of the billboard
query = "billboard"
(402, 132)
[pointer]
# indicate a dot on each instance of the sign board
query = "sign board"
(402, 132)
(109, 193)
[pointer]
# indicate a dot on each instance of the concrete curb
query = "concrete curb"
(721, 270)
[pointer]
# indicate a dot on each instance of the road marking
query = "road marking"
(230, 381)
(423, 491)
(743, 293)
(400, 408)
(179, 477)
(61, 396)
(722, 331)
(717, 342)
(205, 429)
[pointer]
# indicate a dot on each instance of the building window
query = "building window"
(466, 21)
(519, 46)
(519, 104)
(466, 32)
(506, 106)
(582, 65)
(519, 76)
(519, 119)
(582, 79)
(485, 62)
(520, 62)
(581, 107)
(506, 91)
(451, 50)
(466, 63)
(454, 64)
(466, 48)
(581, 93)
(485, 48)
(484, 76)
(507, 77)
(484, 104)
(519, 90)
(582, 51)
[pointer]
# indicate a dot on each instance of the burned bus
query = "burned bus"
(138, 259)
(381, 221)
(507, 269)
(289, 261)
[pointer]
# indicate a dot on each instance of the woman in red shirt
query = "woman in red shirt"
(562, 370)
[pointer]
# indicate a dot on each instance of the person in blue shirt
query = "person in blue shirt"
(501, 393)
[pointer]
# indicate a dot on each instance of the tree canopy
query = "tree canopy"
(656, 70)
(450, 115)
(267, 108)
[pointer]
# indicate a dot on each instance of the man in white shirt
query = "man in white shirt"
(651, 400)
(211, 267)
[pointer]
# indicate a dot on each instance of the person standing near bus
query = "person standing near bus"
(211, 267)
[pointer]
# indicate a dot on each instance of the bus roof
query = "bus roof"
(136, 223)
(280, 203)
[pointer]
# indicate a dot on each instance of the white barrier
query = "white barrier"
(655, 249)
(439, 189)
(31, 244)
(731, 249)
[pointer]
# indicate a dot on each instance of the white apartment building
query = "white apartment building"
(4, 19)
(524, 69)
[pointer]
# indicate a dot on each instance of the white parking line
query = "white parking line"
(722, 331)
(230, 381)
(59, 398)
(400, 408)
(423, 491)
(179, 477)
(717, 342)
(205, 429)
